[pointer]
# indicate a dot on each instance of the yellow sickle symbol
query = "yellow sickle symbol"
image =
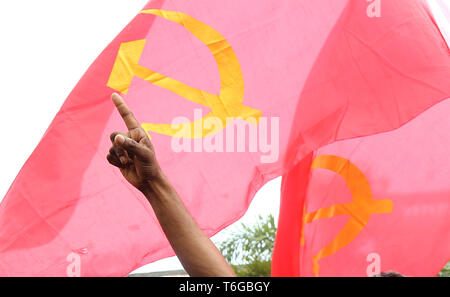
(360, 210)
(228, 104)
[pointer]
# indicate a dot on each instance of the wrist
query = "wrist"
(157, 188)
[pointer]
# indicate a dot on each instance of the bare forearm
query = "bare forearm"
(197, 253)
(133, 153)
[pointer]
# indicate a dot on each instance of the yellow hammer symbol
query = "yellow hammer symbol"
(359, 210)
(227, 105)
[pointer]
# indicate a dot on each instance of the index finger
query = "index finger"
(125, 112)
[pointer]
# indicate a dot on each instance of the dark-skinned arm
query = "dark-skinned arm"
(133, 153)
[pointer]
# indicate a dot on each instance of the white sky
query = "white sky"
(46, 46)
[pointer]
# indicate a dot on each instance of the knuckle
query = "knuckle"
(133, 143)
(120, 152)
(128, 115)
(110, 159)
(113, 136)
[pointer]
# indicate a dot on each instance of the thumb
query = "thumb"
(131, 146)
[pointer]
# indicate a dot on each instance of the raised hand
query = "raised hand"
(132, 152)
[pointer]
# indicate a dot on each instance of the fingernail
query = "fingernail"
(115, 98)
(123, 160)
(119, 139)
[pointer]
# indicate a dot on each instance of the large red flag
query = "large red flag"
(295, 74)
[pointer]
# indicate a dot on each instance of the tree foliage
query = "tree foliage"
(250, 249)
(445, 272)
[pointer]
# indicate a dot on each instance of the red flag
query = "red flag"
(300, 73)
(371, 204)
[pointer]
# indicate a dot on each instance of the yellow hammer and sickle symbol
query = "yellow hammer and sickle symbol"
(227, 105)
(359, 210)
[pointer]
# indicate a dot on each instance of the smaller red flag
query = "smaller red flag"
(370, 204)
